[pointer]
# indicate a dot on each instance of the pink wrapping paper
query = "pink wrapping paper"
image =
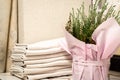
(91, 61)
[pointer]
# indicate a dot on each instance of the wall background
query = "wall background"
(44, 19)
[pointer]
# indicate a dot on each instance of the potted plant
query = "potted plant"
(92, 39)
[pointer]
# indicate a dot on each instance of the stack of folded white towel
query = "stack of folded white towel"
(44, 60)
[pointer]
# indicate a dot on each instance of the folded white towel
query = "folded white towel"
(21, 45)
(38, 52)
(44, 70)
(55, 63)
(62, 72)
(56, 73)
(18, 63)
(18, 49)
(48, 60)
(23, 57)
(18, 69)
(18, 57)
(68, 77)
(43, 52)
(19, 75)
(41, 61)
(45, 44)
(58, 79)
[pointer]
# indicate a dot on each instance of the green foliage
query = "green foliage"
(82, 26)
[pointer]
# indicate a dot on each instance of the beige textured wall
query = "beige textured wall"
(44, 19)
(12, 33)
(4, 29)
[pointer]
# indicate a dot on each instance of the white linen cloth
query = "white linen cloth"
(22, 57)
(53, 43)
(44, 51)
(19, 75)
(18, 69)
(68, 77)
(19, 49)
(41, 61)
(61, 72)
(55, 63)
(39, 52)
(46, 44)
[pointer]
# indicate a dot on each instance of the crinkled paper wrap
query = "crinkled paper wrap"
(91, 61)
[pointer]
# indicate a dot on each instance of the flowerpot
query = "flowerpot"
(91, 61)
